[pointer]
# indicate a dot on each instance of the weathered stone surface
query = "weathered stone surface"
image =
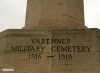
(80, 52)
(55, 13)
(46, 45)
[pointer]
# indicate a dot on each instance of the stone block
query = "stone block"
(50, 50)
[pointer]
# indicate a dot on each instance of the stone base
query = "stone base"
(50, 51)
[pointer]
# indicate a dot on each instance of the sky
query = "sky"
(12, 14)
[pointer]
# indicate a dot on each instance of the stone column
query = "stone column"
(55, 13)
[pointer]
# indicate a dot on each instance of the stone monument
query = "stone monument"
(55, 13)
(54, 40)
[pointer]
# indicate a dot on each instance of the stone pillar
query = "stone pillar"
(51, 13)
